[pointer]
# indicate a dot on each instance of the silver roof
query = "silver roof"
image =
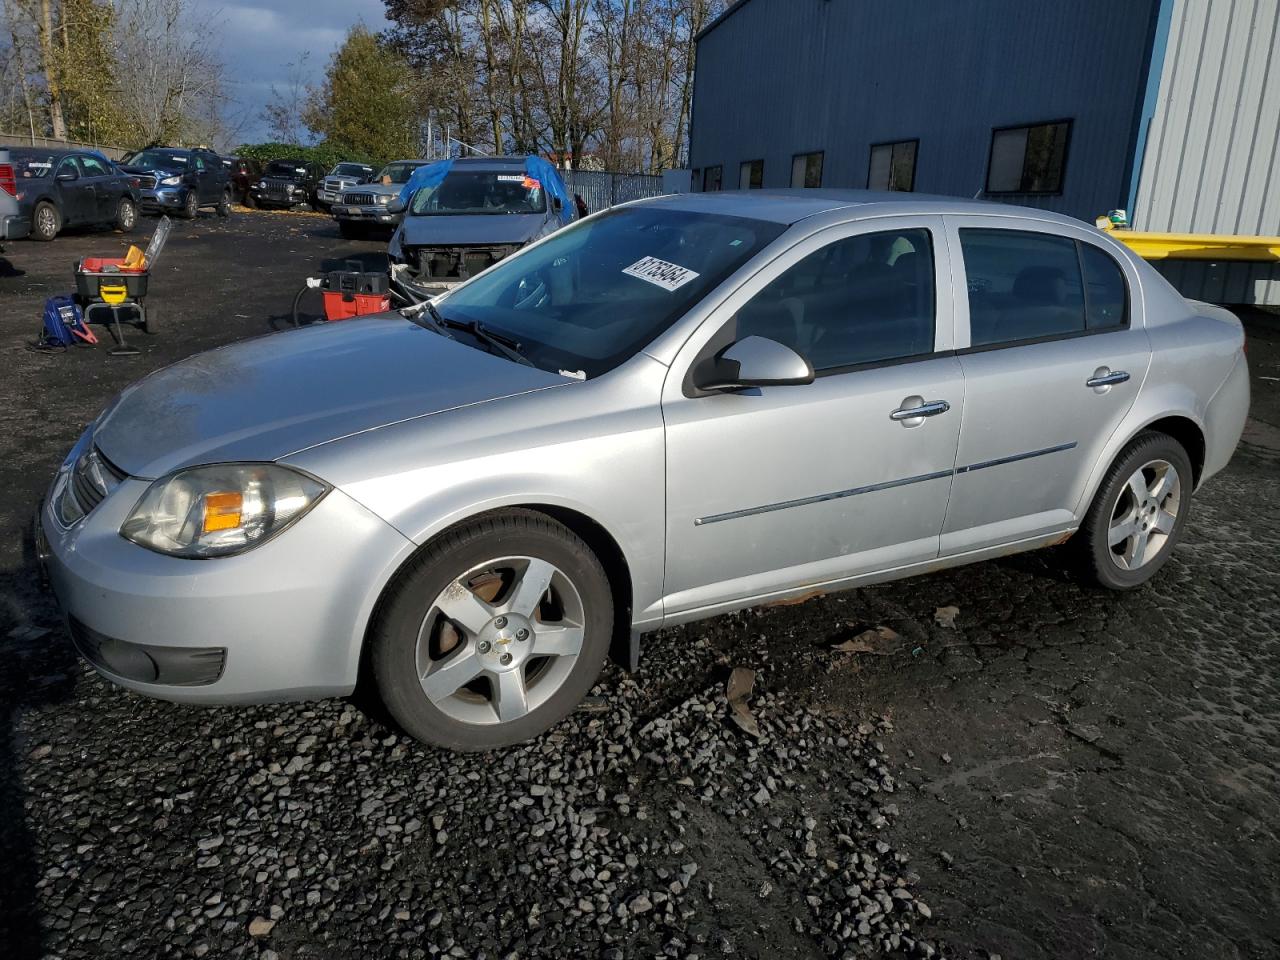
(791, 206)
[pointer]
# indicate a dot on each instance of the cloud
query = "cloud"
(259, 41)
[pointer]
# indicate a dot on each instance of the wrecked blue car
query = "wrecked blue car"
(462, 216)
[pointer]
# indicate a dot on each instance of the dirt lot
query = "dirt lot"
(1059, 773)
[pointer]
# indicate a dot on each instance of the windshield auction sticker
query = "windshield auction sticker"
(669, 276)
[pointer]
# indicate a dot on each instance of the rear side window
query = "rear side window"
(1105, 295)
(1022, 286)
(863, 299)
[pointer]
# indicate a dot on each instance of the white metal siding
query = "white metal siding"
(1211, 161)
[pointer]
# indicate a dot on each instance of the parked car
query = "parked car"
(342, 177)
(245, 172)
(676, 408)
(56, 188)
(180, 180)
(483, 211)
(365, 206)
(12, 222)
(286, 183)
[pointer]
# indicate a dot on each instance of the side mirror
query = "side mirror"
(754, 362)
(68, 175)
(396, 205)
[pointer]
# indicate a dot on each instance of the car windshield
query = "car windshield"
(157, 160)
(35, 165)
(285, 168)
(480, 192)
(350, 170)
(396, 172)
(593, 294)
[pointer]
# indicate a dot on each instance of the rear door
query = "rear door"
(1054, 353)
(775, 488)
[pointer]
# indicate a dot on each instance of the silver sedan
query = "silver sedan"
(673, 409)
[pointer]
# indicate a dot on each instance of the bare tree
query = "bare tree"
(283, 112)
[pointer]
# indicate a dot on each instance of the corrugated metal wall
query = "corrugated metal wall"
(780, 77)
(1212, 161)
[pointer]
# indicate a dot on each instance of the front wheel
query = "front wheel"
(126, 215)
(224, 205)
(1139, 513)
(190, 206)
(494, 633)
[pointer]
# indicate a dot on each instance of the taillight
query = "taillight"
(7, 181)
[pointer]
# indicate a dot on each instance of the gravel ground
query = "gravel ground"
(1055, 772)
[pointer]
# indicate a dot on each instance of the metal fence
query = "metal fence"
(601, 189)
(26, 140)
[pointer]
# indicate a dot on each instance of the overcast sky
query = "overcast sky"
(258, 41)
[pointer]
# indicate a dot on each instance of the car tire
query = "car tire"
(249, 201)
(190, 206)
(46, 221)
(522, 660)
(126, 215)
(224, 205)
(1138, 514)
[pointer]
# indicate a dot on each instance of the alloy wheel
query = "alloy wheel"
(128, 215)
(500, 640)
(1144, 515)
(46, 222)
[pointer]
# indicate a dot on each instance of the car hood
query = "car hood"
(451, 231)
(157, 172)
(284, 178)
(388, 189)
(266, 398)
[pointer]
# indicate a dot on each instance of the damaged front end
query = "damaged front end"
(453, 264)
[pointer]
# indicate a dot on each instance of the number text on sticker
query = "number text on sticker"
(669, 276)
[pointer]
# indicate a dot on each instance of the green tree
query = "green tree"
(365, 105)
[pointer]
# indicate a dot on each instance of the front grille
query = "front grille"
(337, 186)
(92, 477)
(146, 183)
(358, 199)
(456, 263)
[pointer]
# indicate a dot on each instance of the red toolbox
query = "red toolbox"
(354, 294)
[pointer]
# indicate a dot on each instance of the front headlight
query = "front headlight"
(170, 181)
(220, 510)
(383, 199)
(261, 184)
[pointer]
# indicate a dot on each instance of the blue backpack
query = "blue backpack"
(64, 324)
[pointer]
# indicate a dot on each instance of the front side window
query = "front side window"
(1029, 159)
(751, 175)
(863, 299)
(595, 293)
(711, 178)
(806, 170)
(93, 167)
(477, 192)
(893, 166)
(1027, 286)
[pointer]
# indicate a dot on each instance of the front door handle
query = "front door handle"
(1102, 377)
(913, 415)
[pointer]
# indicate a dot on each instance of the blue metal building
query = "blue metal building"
(1169, 109)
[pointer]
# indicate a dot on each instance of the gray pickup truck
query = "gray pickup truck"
(365, 206)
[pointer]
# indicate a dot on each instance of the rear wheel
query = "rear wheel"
(224, 205)
(1139, 513)
(45, 221)
(494, 633)
(126, 215)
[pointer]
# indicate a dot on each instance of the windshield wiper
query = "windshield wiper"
(426, 315)
(508, 347)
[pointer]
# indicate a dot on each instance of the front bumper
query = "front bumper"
(14, 226)
(284, 621)
(162, 198)
(368, 214)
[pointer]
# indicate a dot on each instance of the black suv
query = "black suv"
(180, 180)
(286, 183)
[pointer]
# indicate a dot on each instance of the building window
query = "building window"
(695, 180)
(751, 175)
(711, 178)
(806, 170)
(893, 166)
(1029, 159)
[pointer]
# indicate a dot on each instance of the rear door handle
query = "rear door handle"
(1101, 379)
(928, 409)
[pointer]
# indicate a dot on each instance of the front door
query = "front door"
(774, 489)
(1056, 355)
(77, 200)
